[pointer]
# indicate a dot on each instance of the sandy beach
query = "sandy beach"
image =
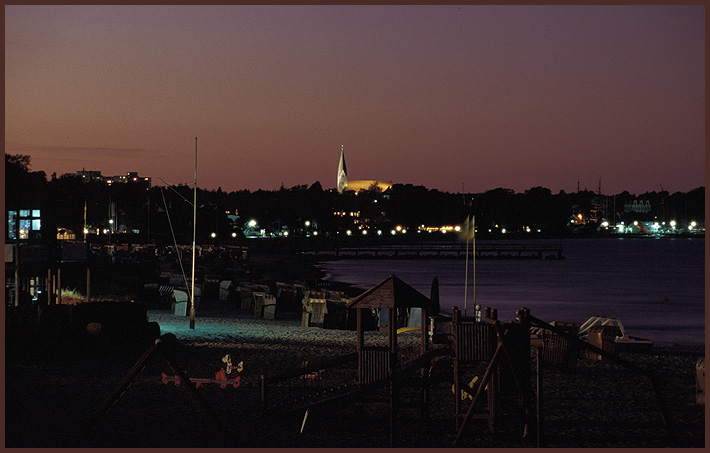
(52, 391)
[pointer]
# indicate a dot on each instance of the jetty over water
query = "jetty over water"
(456, 249)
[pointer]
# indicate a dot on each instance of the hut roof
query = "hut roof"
(391, 293)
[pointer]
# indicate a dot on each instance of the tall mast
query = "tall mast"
(194, 235)
(465, 284)
(473, 241)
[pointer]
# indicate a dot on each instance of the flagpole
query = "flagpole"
(473, 240)
(465, 285)
(194, 234)
(85, 220)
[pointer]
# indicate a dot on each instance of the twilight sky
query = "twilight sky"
(440, 96)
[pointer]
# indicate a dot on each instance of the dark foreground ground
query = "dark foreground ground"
(52, 391)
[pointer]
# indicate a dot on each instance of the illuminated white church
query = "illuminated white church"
(356, 186)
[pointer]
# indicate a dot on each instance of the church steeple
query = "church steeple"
(342, 172)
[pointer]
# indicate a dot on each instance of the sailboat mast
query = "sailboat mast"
(468, 236)
(473, 240)
(194, 236)
(465, 284)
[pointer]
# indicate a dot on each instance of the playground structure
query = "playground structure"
(164, 346)
(503, 351)
(382, 368)
(471, 345)
(377, 364)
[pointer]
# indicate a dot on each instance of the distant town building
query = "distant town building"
(130, 177)
(90, 175)
(356, 186)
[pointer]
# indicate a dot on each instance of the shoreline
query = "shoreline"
(559, 290)
(53, 389)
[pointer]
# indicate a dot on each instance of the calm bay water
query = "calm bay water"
(655, 286)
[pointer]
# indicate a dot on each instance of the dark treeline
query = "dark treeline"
(156, 214)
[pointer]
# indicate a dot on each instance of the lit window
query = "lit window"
(20, 226)
(25, 225)
(12, 224)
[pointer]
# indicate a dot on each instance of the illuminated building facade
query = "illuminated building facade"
(354, 185)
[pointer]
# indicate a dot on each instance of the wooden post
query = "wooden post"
(424, 347)
(538, 406)
(424, 343)
(360, 333)
(59, 285)
(392, 333)
(48, 286)
(88, 283)
(456, 318)
(17, 274)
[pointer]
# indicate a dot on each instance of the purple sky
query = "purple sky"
(440, 96)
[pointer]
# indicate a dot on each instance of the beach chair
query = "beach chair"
(258, 303)
(269, 307)
(181, 301)
(224, 287)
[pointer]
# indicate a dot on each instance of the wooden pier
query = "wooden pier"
(482, 250)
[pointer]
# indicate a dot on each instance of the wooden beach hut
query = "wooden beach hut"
(378, 364)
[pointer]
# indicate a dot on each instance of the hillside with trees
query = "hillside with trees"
(155, 214)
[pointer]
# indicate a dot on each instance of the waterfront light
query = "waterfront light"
(252, 223)
(673, 224)
(213, 235)
(234, 234)
(379, 232)
(364, 232)
(307, 223)
(349, 233)
(457, 228)
(393, 232)
(315, 233)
